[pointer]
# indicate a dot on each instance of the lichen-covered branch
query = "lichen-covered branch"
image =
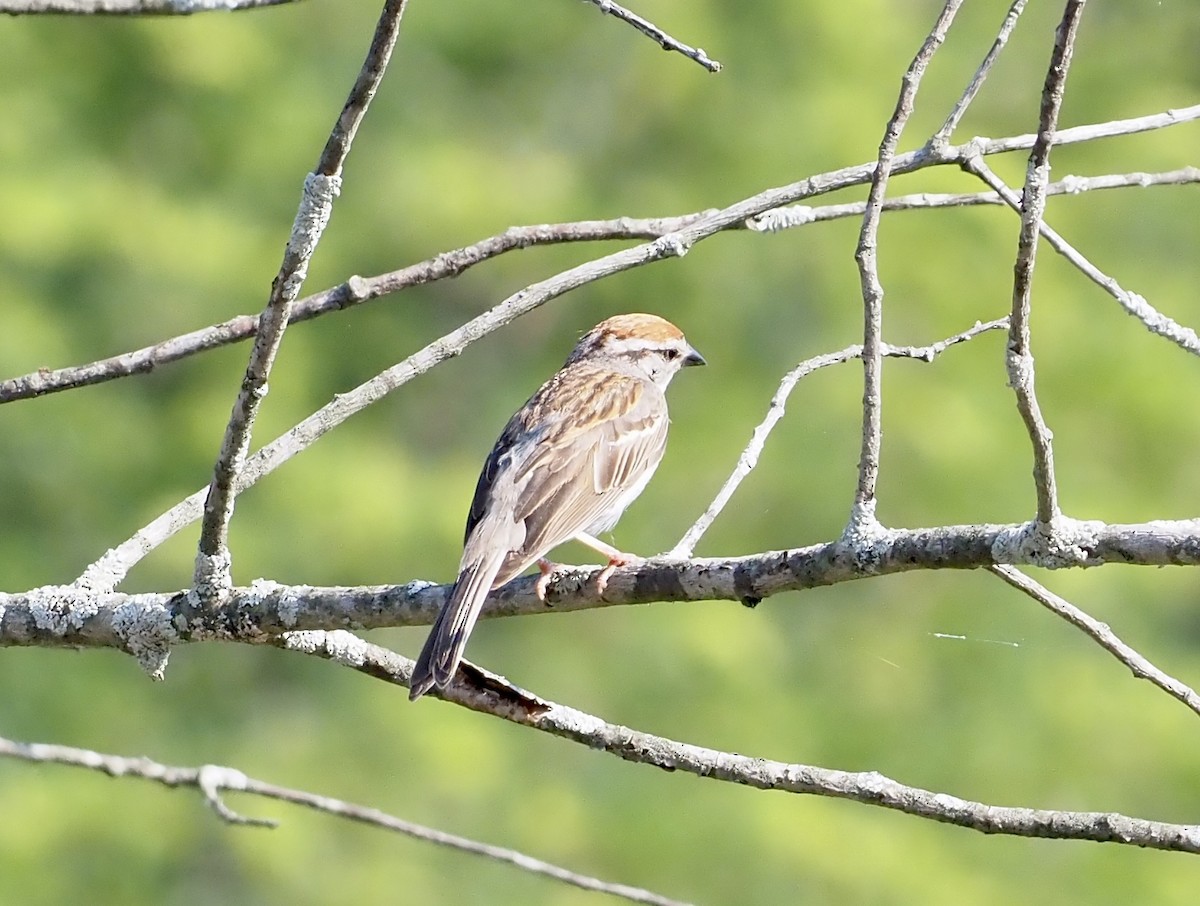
(1019, 361)
(321, 187)
(863, 513)
(488, 693)
(148, 625)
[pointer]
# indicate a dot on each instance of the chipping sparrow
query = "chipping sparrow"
(565, 467)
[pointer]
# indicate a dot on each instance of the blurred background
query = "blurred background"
(151, 171)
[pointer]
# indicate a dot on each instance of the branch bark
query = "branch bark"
(1033, 207)
(490, 694)
(129, 7)
(862, 517)
(212, 780)
(148, 625)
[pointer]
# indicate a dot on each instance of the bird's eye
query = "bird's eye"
(671, 354)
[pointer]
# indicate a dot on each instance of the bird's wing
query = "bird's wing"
(584, 473)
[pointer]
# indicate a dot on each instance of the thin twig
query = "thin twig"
(490, 694)
(749, 456)
(128, 7)
(211, 780)
(1137, 306)
(863, 515)
(354, 291)
(1019, 360)
(1140, 666)
(802, 215)
(652, 31)
(956, 115)
(321, 187)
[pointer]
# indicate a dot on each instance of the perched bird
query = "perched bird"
(565, 467)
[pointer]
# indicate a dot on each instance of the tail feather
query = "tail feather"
(443, 649)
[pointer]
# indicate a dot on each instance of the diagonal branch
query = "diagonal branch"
(1141, 667)
(211, 780)
(1033, 206)
(652, 31)
(490, 694)
(960, 109)
(358, 290)
(321, 187)
(1137, 306)
(863, 514)
(354, 291)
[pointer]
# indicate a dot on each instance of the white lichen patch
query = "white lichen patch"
(144, 626)
(60, 609)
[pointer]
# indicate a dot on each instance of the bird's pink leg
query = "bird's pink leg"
(615, 558)
(547, 573)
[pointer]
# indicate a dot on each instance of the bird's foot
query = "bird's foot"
(613, 562)
(547, 569)
(615, 558)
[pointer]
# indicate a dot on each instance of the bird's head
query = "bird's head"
(650, 343)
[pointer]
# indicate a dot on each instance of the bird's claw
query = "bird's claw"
(543, 583)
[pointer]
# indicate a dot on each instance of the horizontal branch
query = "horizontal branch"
(148, 625)
(491, 694)
(802, 215)
(212, 779)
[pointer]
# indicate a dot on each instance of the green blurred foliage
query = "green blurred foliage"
(150, 174)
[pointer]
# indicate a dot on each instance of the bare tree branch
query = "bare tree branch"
(749, 457)
(129, 7)
(1033, 208)
(1140, 666)
(802, 215)
(148, 625)
(114, 565)
(354, 291)
(310, 620)
(321, 187)
(960, 109)
(357, 290)
(488, 693)
(862, 517)
(1137, 306)
(211, 780)
(652, 31)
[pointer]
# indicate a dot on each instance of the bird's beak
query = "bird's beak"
(693, 358)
